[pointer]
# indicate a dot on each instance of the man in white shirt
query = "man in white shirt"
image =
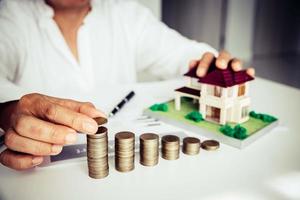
(48, 47)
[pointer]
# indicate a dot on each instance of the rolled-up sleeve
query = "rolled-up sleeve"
(161, 50)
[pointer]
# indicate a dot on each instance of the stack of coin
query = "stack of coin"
(97, 154)
(170, 147)
(210, 145)
(191, 146)
(149, 146)
(124, 151)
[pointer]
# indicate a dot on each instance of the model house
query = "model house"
(223, 95)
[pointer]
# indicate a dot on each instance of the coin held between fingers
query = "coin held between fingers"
(100, 120)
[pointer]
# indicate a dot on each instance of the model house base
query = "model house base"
(255, 128)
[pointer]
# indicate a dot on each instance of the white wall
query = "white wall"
(202, 20)
(239, 28)
(197, 19)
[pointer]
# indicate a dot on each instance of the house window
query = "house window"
(245, 111)
(217, 91)
(213, 113)
(214, 91)
(242, 89)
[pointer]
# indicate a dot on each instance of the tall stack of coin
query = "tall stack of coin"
(124, 151)
(149, 146)
(170, 147)
(97, 154)
(191, 146)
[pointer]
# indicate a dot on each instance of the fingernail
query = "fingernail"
(200, 71)
(70, 138)
(56, 149)
(222, 63)
(251, 72)
(37, 160)
(90, 127)
(99, 113)
(236, 66)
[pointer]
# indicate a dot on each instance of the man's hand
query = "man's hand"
(221, 62)
(40, 125)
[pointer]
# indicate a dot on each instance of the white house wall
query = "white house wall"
(247, 88)
(212, 101)
(188, 81)
(237, 109)
(235, 91)
(193, 83)
(230, 105)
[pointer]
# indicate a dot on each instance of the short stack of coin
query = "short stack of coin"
(124, 151)
(170, 147)
(97, 154)
(149, 149)
(210, 145)
(191, 146)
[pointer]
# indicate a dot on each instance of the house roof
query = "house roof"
(221, 77)
(188, 90)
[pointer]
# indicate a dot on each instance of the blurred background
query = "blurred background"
(265, 34)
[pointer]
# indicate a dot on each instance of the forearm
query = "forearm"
(164, 52)
(6, 110)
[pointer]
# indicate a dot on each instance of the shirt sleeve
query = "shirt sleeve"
(161, 50)
(9, 60)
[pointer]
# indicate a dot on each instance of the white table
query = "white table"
(267, 169)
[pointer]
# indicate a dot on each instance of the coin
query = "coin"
(100, 120)
(170, 147)
(170, 139)
(101, 133)
(191, 146)
(124, 136)
(97, 154)
(124, 151)
(210, 145)
(99, 175)
(149, 149)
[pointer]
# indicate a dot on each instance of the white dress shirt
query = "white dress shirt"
(116, 40)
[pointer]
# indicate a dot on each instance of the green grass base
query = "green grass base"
(252, 125)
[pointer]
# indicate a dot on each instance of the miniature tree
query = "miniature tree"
(194, 116)
(263, 117)
(237, 132)
(227, 130)
(240, 132)
(160, 107)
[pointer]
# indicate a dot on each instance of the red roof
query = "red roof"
(188, 90)
(221, 77)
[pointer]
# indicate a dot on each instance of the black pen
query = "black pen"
(121, 104)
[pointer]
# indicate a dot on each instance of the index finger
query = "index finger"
(64, 116)
(86, 108)
(204, 64)
(223, 59)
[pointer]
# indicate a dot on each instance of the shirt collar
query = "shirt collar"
(46, 12)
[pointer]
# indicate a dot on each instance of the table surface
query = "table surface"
(267, 169)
